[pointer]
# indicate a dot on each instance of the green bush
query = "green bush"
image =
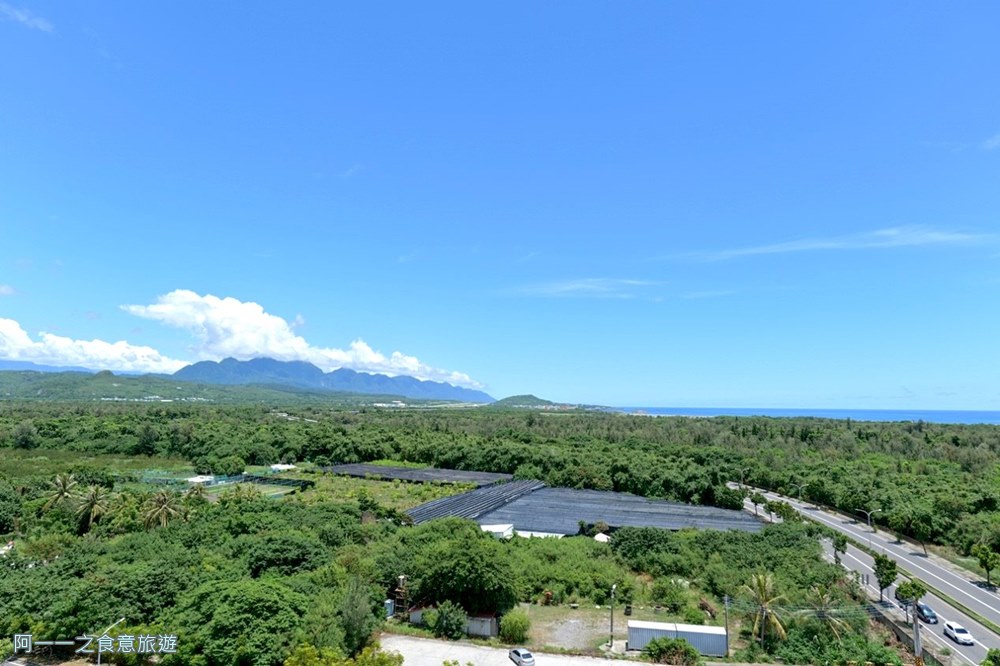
(671, 651)
(693, 615)
(669, 594)
(514, 627)
(450, 621)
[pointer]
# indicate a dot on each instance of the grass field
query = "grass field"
(17, 463)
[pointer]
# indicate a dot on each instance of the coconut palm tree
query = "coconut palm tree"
(161, 508)
(196, 493)
(762, 593)
(823, 606)
(92, 505)
(63, 491)
(241, 492)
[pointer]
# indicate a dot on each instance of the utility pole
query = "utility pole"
(726, 601)
(742, 473)
(917, 652)
(611, 636)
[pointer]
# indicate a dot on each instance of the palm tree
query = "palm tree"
(762, 593)
(196, 493)
(824, 608)
(161, 508)
(241, 492)
(63, 491)
(92, 505)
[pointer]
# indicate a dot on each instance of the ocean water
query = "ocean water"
(928, 416)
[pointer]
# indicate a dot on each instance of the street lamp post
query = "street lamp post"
(742, 474)
(800, 486)
(611, 636)
(869, 515)
(105, 632)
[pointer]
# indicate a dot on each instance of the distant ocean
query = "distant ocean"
(928, 416)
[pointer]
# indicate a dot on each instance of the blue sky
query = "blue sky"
(778, 204)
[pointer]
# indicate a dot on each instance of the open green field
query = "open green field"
(44, 463)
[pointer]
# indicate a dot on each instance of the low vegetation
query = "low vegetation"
(241, 578)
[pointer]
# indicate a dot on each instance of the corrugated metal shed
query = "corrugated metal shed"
(710, 641)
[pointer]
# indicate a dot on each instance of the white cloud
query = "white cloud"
(228, 327)
(587, 288)
(7, 290)
(24, 17)
(906, 236)
(50, 349)
(992, 143)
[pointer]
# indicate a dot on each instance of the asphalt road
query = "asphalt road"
(911, 559)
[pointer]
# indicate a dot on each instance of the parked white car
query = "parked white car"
(521, 657)
(958, 633)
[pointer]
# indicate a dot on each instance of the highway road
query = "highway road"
(911, 559)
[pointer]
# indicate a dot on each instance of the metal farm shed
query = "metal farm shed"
(710, 641)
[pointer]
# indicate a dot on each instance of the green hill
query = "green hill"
(108, 387)
(523, 401)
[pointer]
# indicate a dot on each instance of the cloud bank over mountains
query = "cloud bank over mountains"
(221, 328)
(51, 349)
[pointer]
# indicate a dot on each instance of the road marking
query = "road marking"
(954, 649)
(957, 649)
(820, 514)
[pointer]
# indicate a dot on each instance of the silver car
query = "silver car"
(521, 657)
(958, 633)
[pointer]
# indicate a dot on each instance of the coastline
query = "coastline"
(952, 417)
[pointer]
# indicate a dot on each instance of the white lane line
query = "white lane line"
(904, 562)
(956, 649)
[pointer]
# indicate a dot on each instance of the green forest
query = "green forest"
(934, 483)
(245, 579)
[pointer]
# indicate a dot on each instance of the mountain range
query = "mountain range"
(287, 375)
(300, 374)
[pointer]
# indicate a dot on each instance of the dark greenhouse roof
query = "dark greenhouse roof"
(475, 502)
(419, 474)
(559, 511)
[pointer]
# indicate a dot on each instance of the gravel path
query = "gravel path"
(427, 652)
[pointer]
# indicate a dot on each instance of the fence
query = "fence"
(237, 478)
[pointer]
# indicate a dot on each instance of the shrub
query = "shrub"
(671, 651)
(668, 593)
(514, 627)
(450, 621)
(693, 615)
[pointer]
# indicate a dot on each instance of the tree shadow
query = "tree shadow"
(983, 585)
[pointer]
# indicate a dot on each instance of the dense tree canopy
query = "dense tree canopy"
(96, 542)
